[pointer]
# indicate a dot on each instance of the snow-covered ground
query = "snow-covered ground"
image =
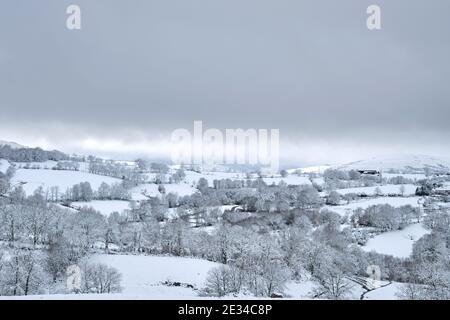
(412, 176)
(63, 179)
(364, 204)
(4, 165)
(389, 292)
(396, 243)
(320, 181)
(192, 177)
(47, 165)
(291, 179)
(105, 207)
(312, 169)
(300, 289)
(305, 290)
(402, 163)
(410, 189)
(144, 191)
(11, 144)
(142, 276)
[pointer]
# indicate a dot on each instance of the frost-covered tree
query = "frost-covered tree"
(4, 184)
(104, 191)
(219, 282)
(100, 278)
(86, 227)
(331, 276)
(202, 185)
(333, 198)
(22, 274)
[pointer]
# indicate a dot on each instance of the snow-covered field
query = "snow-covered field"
(312, 169)
(34, 179)
(410, 189)
(402, 163)
(305, 290)
(144, 191)
(364, 204)
(412, 176)
(47, 165)
(142, 276)
(192, 177)
(291, 179)
(4, 165)
(389, 292)
(396, 243)
(105, 207)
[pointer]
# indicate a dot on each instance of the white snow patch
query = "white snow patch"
(143, 275)
(291, 179)
(410, 189)
(396, 243)
(388, 292)
(144, 191)
(4, 165)
(105, 207)
(33, 179)
(402, 163)
(364, 204)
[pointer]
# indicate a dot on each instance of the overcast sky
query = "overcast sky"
(139, 69)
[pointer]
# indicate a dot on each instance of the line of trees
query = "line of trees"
(385, 217)
(117, 170)
(30, 154)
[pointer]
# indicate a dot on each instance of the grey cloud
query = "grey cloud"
(139, 69)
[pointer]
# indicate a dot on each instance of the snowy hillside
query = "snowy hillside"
(11, 144)
(33, 179)
(105, 207)
(403, 240)
(4, 165)
(312, 169)
(171, 219)
(401, 163)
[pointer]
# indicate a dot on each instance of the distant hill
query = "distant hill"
(11, 144)
(17, 153)
(400, 163)
(312, 169)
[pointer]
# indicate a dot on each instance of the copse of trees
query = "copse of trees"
(178, 176)
(385, 217)
(30, 154)
(333, 198)
(5, 180)
(67, 165)
(100, 278)
(117, 170)
(429, 277)
(115, 191)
